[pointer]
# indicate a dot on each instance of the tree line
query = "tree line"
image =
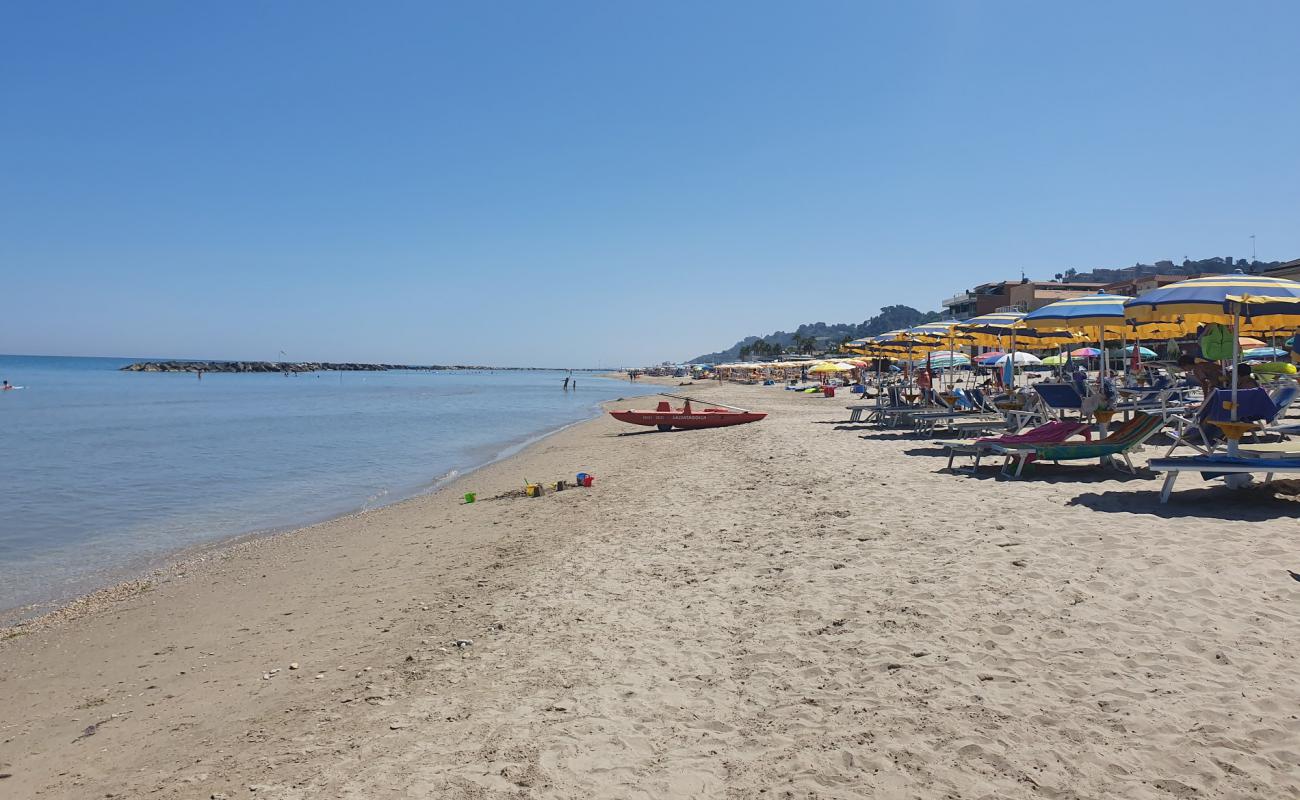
(813, 337)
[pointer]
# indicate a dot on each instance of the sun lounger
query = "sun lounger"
(1154, 400)
(1127, 436)
(930, 402)
(1054, 432)
(889, 403)
(986, 424)
(963, 409)
(1218, 465)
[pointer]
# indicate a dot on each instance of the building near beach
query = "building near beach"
(1024, 295)
(1290, 270)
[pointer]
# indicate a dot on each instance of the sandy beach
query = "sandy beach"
(795, 608)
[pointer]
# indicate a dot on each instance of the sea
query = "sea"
(105, 474)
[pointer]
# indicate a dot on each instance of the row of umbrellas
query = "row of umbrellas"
(1267, 306)
(1250, 304)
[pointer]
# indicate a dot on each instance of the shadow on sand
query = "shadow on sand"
(991, 468)
(1213, 500)
(894, 436)
(927, 451)
(648, 430)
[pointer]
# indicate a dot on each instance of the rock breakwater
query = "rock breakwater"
(279, 366)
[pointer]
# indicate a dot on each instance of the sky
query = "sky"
(609, 183)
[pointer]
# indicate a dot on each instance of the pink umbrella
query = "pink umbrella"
(1085, 352)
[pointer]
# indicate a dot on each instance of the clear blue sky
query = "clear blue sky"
(608, 182)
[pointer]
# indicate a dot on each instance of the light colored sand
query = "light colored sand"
(784, 609)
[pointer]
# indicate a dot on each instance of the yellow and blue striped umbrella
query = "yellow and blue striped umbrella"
(876, 345)
(1085, 313)
(888, 336)
(998, 321)
(988, 329)
(932, 331)
(1191, 303)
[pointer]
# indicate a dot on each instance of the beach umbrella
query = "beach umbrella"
(989, 330)
(933, 331)
(1080, 313)
(944, 359)
(1085, 313)
(1020, 359)
(1195, 302)
(1250, 341)
(1085, 352)
(996, 319)
(1053, 361)
(985, 359)
(1142, 351)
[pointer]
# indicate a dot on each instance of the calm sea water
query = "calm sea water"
(104, 471)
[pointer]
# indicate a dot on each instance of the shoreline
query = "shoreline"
(800, 607)
(131, 580)
(201, 598)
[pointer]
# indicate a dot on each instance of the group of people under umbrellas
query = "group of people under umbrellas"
(1248, 303)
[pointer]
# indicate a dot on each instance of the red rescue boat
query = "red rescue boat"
(665, 417)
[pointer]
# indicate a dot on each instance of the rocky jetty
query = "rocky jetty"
(277, 366)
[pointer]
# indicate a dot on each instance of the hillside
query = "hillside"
(816, 336)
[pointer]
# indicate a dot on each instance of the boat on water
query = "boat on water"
(665, 417)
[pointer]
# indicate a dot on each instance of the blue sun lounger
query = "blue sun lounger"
(1215, 466)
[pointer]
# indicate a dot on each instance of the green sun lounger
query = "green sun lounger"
(1126, 437)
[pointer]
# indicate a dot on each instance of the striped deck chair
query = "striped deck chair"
(1126, 437)
(1054, 432)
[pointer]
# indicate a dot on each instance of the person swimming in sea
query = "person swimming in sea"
(6, 387)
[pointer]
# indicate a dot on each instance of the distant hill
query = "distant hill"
(817, 336)
(1205, 266)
